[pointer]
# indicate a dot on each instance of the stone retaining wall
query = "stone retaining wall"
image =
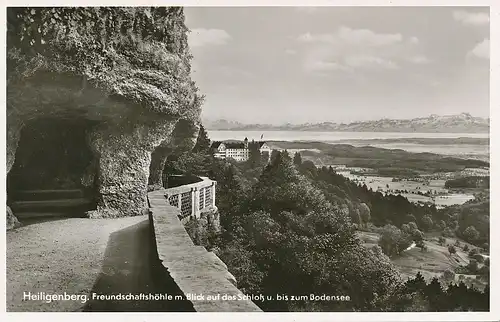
(193, 268)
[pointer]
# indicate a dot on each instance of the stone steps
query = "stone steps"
(35, 215)
(50, 203)
(28, 195)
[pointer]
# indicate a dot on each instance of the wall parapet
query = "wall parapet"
(193, 268)
(192, 199)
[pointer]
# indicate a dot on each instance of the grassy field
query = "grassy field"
(387, 162)
(430, 263)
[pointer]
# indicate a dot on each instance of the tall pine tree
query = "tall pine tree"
(202, 142)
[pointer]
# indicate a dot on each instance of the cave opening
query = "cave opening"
(52, 157)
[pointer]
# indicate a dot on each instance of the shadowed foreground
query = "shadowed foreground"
(80, 256)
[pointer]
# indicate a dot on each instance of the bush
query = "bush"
(420, 244)
(448, 275)
(451, 249)
(393, 241)
(441, 240)
(427, 223)
(202, 233)
(417, 235)
(471, 234)
(441, 225)
(478, 258)
(484, 271)
(473, 252)
(448, 232)
(466, 248)
(413, 226)
(473, 266)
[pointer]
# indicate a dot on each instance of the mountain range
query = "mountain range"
(460, 123)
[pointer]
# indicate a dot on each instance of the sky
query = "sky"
(339, 64)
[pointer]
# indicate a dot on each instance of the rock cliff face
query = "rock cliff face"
(126, 70)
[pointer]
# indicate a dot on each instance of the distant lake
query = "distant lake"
(476, 151)
(330, 136)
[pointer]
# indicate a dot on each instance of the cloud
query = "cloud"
(290, 51)
(481, 50)
(353, 37)
(357, 61)
(367, 37)
(203, 37)
(349, 49)
(322, 66)
(419, 59)
(471, 18)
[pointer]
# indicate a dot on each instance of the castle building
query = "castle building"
(238, 151)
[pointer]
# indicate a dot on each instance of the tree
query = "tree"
(473, 252)
(484, 271)
(239, 261)
(451, 249)
(471, 233)
(274, 155)
(355, 217)
(297, 159)
(416, 285)
(417, 235)
(364, 212)
(427, 223)
(441, 240)
(434, 294)
(448, 232)
(473, 266)
(410, 218)
(393, 241)
(465, 248)
(413, 226)
(441, 225)
(254, 157)
(448, 275)
(202, 141)
(420, 244)
(478, 258)
(303, 244)
(229, 194)
(308, 168)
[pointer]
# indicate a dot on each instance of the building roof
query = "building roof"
(215, 144)
(234, 144)
(261, 143)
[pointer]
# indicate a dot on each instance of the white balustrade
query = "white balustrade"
(192, 198)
